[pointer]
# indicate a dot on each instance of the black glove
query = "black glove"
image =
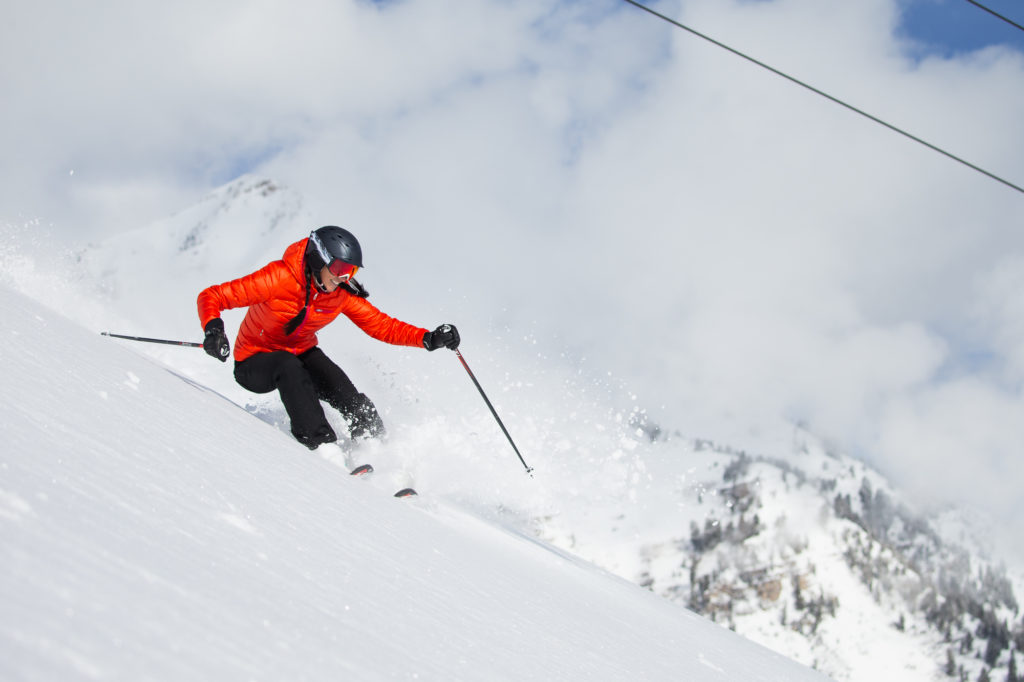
(445, 336)
(216, 342)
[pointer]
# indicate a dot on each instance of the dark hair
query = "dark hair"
(293, 324)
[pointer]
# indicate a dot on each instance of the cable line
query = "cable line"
(828, 96)
(996, 14)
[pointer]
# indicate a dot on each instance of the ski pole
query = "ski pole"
(529, 469)
(190, 344)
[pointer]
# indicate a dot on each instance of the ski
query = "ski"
(365, 469)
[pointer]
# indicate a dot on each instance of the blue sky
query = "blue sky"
(953, 26)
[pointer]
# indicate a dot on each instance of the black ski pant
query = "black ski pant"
(303, 381)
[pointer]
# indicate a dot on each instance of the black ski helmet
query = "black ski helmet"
(329, 243)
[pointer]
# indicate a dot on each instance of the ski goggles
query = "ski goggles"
(340, 268)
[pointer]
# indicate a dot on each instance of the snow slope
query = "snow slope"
(152, 529)
(775, 536)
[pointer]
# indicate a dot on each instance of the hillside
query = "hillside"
(153, 530)
(790, 542)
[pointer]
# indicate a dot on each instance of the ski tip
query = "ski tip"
(362, 470)
(406, 492)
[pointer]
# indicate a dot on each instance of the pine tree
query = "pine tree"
(993, 648)
(967, 643)
(1011, 673)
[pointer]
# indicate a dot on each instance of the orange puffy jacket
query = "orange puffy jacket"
(277, 292)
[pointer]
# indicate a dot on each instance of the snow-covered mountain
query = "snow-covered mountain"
(795, 546)
(815, 556)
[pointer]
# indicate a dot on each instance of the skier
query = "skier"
(289, 300)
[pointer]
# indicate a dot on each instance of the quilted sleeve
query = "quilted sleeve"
(239, 293)
(380, 326)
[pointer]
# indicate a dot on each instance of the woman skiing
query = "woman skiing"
(289, 300)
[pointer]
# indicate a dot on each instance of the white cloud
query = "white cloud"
(999, 315)
(724, 241)
(960, 441)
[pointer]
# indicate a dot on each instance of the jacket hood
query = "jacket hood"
(295, 260)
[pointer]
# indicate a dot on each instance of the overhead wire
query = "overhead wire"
(827, 96)
(996, 14)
